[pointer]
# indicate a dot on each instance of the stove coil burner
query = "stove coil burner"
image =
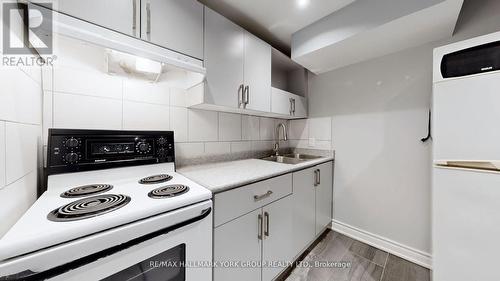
(88, 207)
(86, 190)
(156, 179)
(168, 191)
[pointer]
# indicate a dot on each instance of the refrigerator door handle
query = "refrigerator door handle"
(469, 164)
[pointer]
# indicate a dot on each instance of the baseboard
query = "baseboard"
(408, 253)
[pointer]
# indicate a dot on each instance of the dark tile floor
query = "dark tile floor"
(356, 261)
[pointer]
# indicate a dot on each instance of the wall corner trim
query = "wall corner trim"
(408, 253)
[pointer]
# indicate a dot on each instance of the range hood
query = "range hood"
(85, 31)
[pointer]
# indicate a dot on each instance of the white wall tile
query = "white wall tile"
(2, 154)
(189, 150)
(217, 148)
(15, 199)
(21, 150)
(250, 127)
(266, 128)
(85, 112)
(145, 91)
(21, 97)
(178, 97)
(299, 129)
(202, 125)
(241, 146)
(320, 128)
(84, 82)
(262, 145)
(229, 127)
(318, 144)
(34, 72)
(145, 116)
(179, 123)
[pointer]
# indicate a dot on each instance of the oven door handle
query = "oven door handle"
(29, 275)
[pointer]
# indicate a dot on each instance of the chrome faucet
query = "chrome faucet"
(280, 127)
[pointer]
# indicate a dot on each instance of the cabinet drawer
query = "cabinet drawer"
(234, 203)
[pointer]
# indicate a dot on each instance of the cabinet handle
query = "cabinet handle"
(266, 218)
(319, 176)
(134, 17)
(240, 95)
(291, 108)
(265, 195)
(148, 21)
(293, 105)
(259, 227)
(246, 93)
(316, 177)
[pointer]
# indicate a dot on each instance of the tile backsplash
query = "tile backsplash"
(79, 93)
(20, 139)
(312, 133)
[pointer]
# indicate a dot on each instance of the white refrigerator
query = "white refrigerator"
(466, 154)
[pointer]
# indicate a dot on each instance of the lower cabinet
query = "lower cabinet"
(262, 237)
(237, 242)
(303, 195)
(277, 240)
(324, 195)
(253, 239)
(313, 202)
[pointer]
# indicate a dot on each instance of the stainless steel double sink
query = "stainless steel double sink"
(291, 158)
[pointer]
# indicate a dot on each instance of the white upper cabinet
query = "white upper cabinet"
(238, 68)
(119, 15)
(224, 61)
(289, 87)
(288, 105)
(257, 73)
(174, 24)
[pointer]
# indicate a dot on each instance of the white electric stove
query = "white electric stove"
(114, 209)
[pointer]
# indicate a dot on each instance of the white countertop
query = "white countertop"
(219, 177)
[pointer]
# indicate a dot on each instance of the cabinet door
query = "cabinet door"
(300, 107)
(224, 56)
(304, 226)
(278, 242)
(324, 196)
(174, 24)
(237, 241)
(280, 101)
(257, 73)
(118, 15)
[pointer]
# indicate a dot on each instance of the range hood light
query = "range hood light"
(147, 65)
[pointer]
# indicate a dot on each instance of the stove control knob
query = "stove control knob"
(72, 143)
(162, 141)
(142, 147)
(162, 152)
(71, 158)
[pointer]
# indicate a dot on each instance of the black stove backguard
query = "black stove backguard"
(83, 150)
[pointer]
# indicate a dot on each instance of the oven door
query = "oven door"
(182, 254)
(174, 246)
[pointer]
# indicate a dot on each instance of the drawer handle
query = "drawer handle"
(265, 195)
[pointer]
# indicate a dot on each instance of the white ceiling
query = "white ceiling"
(276, 20)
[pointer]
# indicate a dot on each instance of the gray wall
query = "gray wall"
(379, 113)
